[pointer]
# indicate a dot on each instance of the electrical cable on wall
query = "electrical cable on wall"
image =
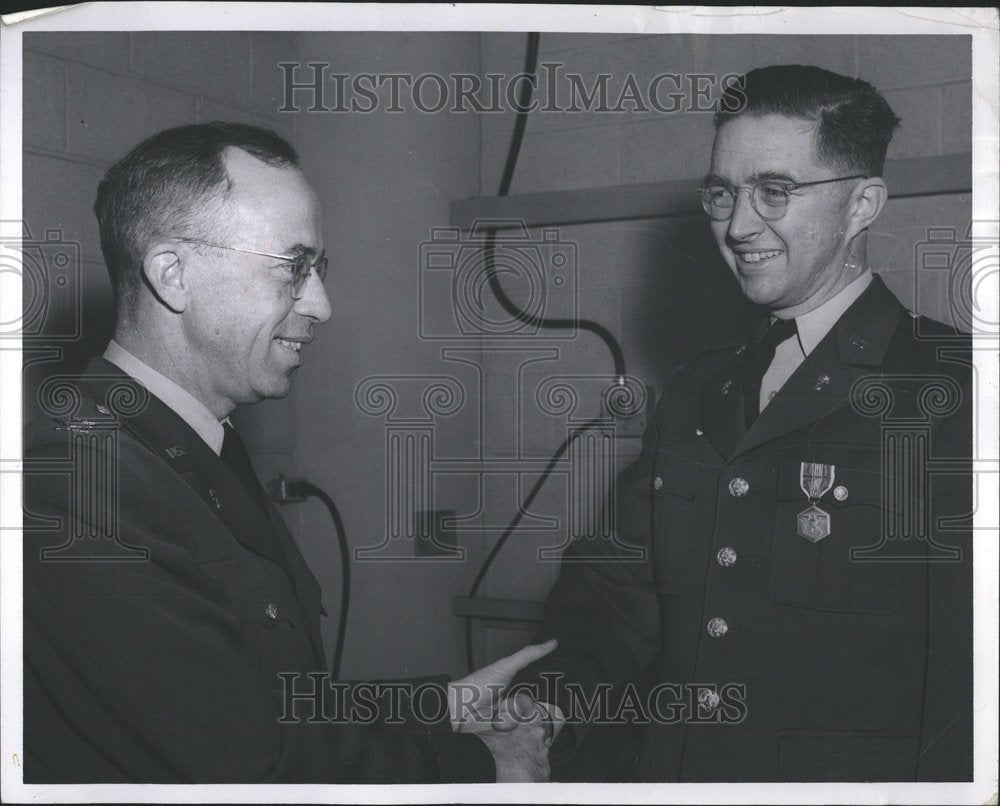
(285, 491)
(525, 90)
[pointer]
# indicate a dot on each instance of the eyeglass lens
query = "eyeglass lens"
(769, 199)
(303, 267)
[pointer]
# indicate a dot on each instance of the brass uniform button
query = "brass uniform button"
(726, 557)
(738, 487)
(717, 627)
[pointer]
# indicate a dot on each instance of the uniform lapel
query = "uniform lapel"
(173, 441)
(854, 347)
(720, 399)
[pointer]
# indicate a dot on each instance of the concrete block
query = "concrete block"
(209, 110)
(677, 146)
(919, 135)
(560, 43)
(108, 49)
(892, 62)
(956, 118)
(215, 64)
(267, 80)
(568, 160)
(44, 102)
(739, 54)
(503, 51)
(59, 194)
(108, 114)
(288, 37)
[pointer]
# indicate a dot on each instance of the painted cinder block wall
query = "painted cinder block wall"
(385, 181)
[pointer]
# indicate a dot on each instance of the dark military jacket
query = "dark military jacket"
(760, 653)
(160, 607)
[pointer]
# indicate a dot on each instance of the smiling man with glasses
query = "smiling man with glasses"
(804, 609)
(157, 654)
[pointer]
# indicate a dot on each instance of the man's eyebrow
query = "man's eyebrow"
(300, 249)
(760, 176)
(765, 176)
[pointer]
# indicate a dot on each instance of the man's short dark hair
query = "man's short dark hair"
(855, 123)
(165, 186)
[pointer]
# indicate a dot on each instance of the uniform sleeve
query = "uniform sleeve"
(603, 608)
(138, 671)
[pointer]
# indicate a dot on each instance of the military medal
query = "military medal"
(815, 479)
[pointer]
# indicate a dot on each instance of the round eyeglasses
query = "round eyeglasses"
(769, 197)
(301, 266)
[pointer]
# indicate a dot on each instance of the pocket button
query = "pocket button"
(717, 627)
(726, 557)
(738, 487)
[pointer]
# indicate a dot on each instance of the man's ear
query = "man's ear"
(866, 203)
(163, 267)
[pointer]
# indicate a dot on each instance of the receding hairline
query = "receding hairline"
(261, 175)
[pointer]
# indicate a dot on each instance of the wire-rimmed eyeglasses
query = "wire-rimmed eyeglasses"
(769, 197)
(301, 265)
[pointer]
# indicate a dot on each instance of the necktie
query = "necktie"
(756, 359)
(234, 454)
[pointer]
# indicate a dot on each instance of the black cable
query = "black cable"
(524, 93)
(307, 488)
(525, 90)
(524, 98)
(470, 660)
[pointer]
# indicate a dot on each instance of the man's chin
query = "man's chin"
(758, 291)
(274, 389)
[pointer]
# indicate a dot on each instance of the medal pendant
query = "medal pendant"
(814, 524)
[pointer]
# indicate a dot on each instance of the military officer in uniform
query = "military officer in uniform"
(804, 608)
(163, 594)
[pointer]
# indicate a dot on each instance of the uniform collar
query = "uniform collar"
(864, 331)
(179, 400)
(855, 347)
(814, 325)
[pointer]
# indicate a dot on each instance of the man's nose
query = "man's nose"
(314, 302)
(745, 221)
